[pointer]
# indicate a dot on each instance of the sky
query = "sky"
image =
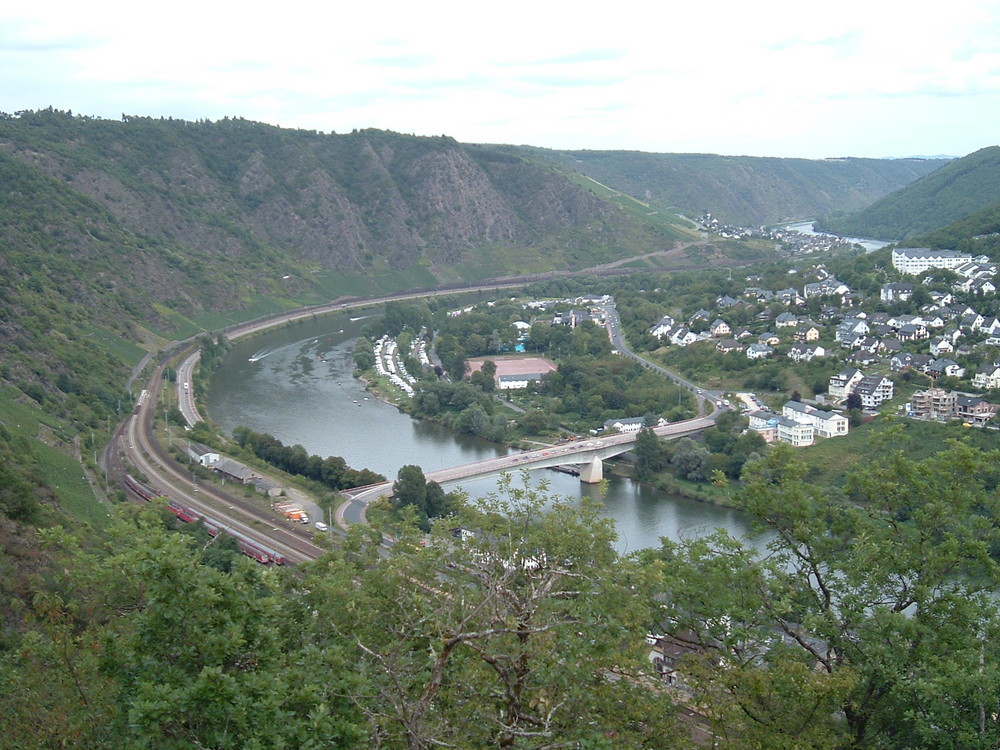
(877, 79)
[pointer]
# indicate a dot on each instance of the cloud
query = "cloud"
(781, 79)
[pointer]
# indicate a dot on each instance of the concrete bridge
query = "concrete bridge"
(588, 454)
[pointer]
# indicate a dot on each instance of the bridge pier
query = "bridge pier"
(593, 472)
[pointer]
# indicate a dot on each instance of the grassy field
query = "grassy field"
(40, 433)
(830, 460)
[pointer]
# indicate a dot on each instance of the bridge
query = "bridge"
(588, 454)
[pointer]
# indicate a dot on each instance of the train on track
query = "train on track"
(247, 546)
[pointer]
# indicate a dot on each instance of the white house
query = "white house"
(874, 391)
(896, 292)
(796, 434)
(988, 376)
(843, 383)
(663, 326)
(759, 351)
(827, 424)
(631, 424)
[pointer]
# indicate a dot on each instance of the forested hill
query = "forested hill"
(952, 193)
(243, 192)
(745, 190)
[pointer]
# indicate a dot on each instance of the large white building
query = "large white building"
(826, 424)
(916, 260)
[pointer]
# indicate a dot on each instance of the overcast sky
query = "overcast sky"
(874, 78)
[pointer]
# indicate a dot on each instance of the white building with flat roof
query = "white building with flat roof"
(916, 260)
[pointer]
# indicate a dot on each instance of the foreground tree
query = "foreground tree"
(523, 629)
(865, 623)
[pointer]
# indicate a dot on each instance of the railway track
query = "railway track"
(134, 443)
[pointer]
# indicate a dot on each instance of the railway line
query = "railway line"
(134, 443)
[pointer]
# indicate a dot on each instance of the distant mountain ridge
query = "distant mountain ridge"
(950, 194)
(745, 190)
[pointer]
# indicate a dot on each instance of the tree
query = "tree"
(853, 401)
(526, 633)
(851, 605)
(426, 500)
(651, 454)
(690, 459)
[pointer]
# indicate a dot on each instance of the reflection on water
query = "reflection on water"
(297, 384)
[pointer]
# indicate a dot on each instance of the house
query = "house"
(805, 352)
(683, 336)
(861, 358)
(915, 260)
(944, 366)
(843, 383)
(789, 297)
(663, 327)
(991, 326)
(765, 423)
(726, 301)
(941, 345)
(828, 286)
(987, 377)
(786, 320)
(202, 454)
(896, 292)
(796, 434)
(866, 344)
(974, 409)
(972, 321)
(720, 328)
(769, 339)
(826, 424)
(874, 391)
(759, 351)
(807, 332)
(889, 347)
(629, 425)
(728, 345)
(850, 329)
(913, 332)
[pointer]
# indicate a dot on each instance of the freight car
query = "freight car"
(247, 546)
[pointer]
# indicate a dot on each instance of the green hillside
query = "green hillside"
(744, 190)
(953, 192)
(977, 234)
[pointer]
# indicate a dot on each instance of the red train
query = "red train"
(247, 546)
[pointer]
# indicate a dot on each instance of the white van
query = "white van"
(320, 526)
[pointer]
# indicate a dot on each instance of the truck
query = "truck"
(292, 512)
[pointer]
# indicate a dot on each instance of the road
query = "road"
(710, 399)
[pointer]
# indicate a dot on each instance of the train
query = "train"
(247, 546)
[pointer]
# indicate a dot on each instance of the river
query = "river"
(296, 383)
(806, 227)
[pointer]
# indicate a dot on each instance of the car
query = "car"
(320, 526)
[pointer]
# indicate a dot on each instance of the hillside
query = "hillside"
(977, 234)
(745, 190)
(956, 190)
